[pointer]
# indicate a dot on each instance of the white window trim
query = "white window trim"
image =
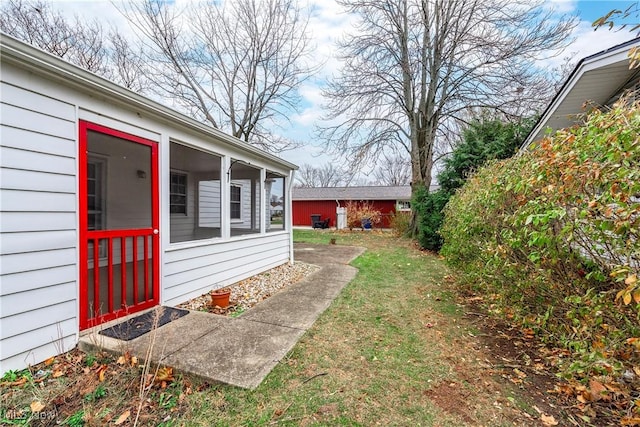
(241, 186)
(400, 203)
(186, 194)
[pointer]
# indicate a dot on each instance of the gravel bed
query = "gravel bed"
(251, 291)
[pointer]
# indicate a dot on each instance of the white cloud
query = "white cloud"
(587, 42)
(562, 6)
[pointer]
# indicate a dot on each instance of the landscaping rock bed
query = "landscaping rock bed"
(251, 291)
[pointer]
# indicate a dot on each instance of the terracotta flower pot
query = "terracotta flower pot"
(220, 297)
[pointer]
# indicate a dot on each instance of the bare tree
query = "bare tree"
(413, 67)
(394, 170)
(82, 43)
(306, 176)
(327, 175)
(235, 65)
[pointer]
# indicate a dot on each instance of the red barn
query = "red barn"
(324, 201)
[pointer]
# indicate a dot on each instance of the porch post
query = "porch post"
(225, 199)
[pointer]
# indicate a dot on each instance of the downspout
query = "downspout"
(289, 218)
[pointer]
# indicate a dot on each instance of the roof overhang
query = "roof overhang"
(39, 62)
(596, 78)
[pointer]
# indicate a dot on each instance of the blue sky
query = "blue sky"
(328, 23)
(592, 10)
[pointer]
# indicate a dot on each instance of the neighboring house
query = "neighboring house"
(111, 203)
(599, 79)
(324, 201)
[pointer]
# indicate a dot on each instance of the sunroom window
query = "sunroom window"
(244, 200)
(275, 206)
(194, 194)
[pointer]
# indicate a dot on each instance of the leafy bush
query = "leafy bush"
(428, 208)
(485, 138)
(359, 211)
(400, 223)
(552, 236)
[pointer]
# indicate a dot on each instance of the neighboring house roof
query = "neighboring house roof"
(43, 63)
(597, 78)
(353, 193)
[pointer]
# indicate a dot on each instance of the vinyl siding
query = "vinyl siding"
(39, 112)
(190, 272)
(37, 226)
(245, 205)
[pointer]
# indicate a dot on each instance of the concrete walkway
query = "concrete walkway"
(242, 351)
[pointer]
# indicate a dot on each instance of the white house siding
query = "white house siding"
(183, 226)
(39, 236)
(38, 200)
(189, 272)
(245, 204)
(209, 204)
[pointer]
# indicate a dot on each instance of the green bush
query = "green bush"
(428, 207)
(552, 235)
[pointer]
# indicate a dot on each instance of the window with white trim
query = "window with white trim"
(403, 205)
(178, 193)
(236, 202)
(195, 194)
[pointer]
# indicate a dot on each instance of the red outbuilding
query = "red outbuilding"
(325, 201)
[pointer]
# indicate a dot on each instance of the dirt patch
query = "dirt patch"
(451, 398)
(514, 355)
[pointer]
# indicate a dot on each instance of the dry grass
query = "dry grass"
(395, 348)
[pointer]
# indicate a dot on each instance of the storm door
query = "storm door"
(119, 252)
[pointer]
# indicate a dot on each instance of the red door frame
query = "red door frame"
(86, 319)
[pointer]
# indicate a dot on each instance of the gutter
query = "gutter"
(537, 127)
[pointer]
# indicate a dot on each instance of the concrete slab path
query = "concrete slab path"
(242, 351)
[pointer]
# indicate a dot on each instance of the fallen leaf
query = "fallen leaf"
(101, 371)
(121, 360)
(134, 361)
(519, 373)
(123, 417)
(57, 373)
(49, 361)
(628, 421)
(36, 406)
(18, 382)
(630, 280)
(548, 420)
(596, 390)
(164, 374)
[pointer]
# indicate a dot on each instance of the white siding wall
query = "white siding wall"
(183, 226)
(39, 219)
(209, 204)
(245, 222)
(190, 272)
(38, 307)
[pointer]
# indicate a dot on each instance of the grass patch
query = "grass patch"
(392, 349)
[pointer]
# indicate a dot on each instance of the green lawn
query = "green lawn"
(394, 348)
(375, 357)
